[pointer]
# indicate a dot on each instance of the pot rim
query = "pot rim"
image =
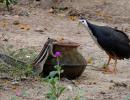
(67, 44)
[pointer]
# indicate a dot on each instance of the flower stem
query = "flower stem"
(58, 69)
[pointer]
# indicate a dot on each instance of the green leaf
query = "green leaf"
(52, 73)
(53, 98)
(53, 81)
(60, 90)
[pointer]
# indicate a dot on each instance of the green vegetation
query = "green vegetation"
(18, 71)
(8, 2)
(53, 80)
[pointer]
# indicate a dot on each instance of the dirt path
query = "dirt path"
(94, 84)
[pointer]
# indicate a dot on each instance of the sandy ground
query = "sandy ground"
(94, 84)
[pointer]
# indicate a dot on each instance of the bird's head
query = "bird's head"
(83, 21)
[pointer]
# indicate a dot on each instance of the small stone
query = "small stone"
(120, 84)
(69, 87)
(51, 10)
(78, 33)
(16, 16)
(94, 83)
(90, 83)
(16, 22)
(42, 33)
(39, 29)
(15, 83)
(23, 78)
(102, 92)
(111, 81)
(5, 38)
(110, 88)
(23, 13)
(27, 56)
(45, 29)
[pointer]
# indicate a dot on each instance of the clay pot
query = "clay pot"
(71, 60)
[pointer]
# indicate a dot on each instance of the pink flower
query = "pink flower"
(17, 93)
(58, 54)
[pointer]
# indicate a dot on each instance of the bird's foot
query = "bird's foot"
(115, 70)
(106, 70)
(110, 70)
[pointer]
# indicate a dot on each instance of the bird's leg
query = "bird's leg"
(108, 70)
(106, 67)
(108, 62)
(115, 68)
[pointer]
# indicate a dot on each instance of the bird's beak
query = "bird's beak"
(79, 23)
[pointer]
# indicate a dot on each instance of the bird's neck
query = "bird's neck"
(90, 31)
(87, 25)
(90, 28)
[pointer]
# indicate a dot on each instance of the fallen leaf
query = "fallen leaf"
(73, 18)
(99, 13)
(90, 60)
(4, 23)
(24, 26)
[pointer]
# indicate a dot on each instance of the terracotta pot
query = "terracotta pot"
(72, 62)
